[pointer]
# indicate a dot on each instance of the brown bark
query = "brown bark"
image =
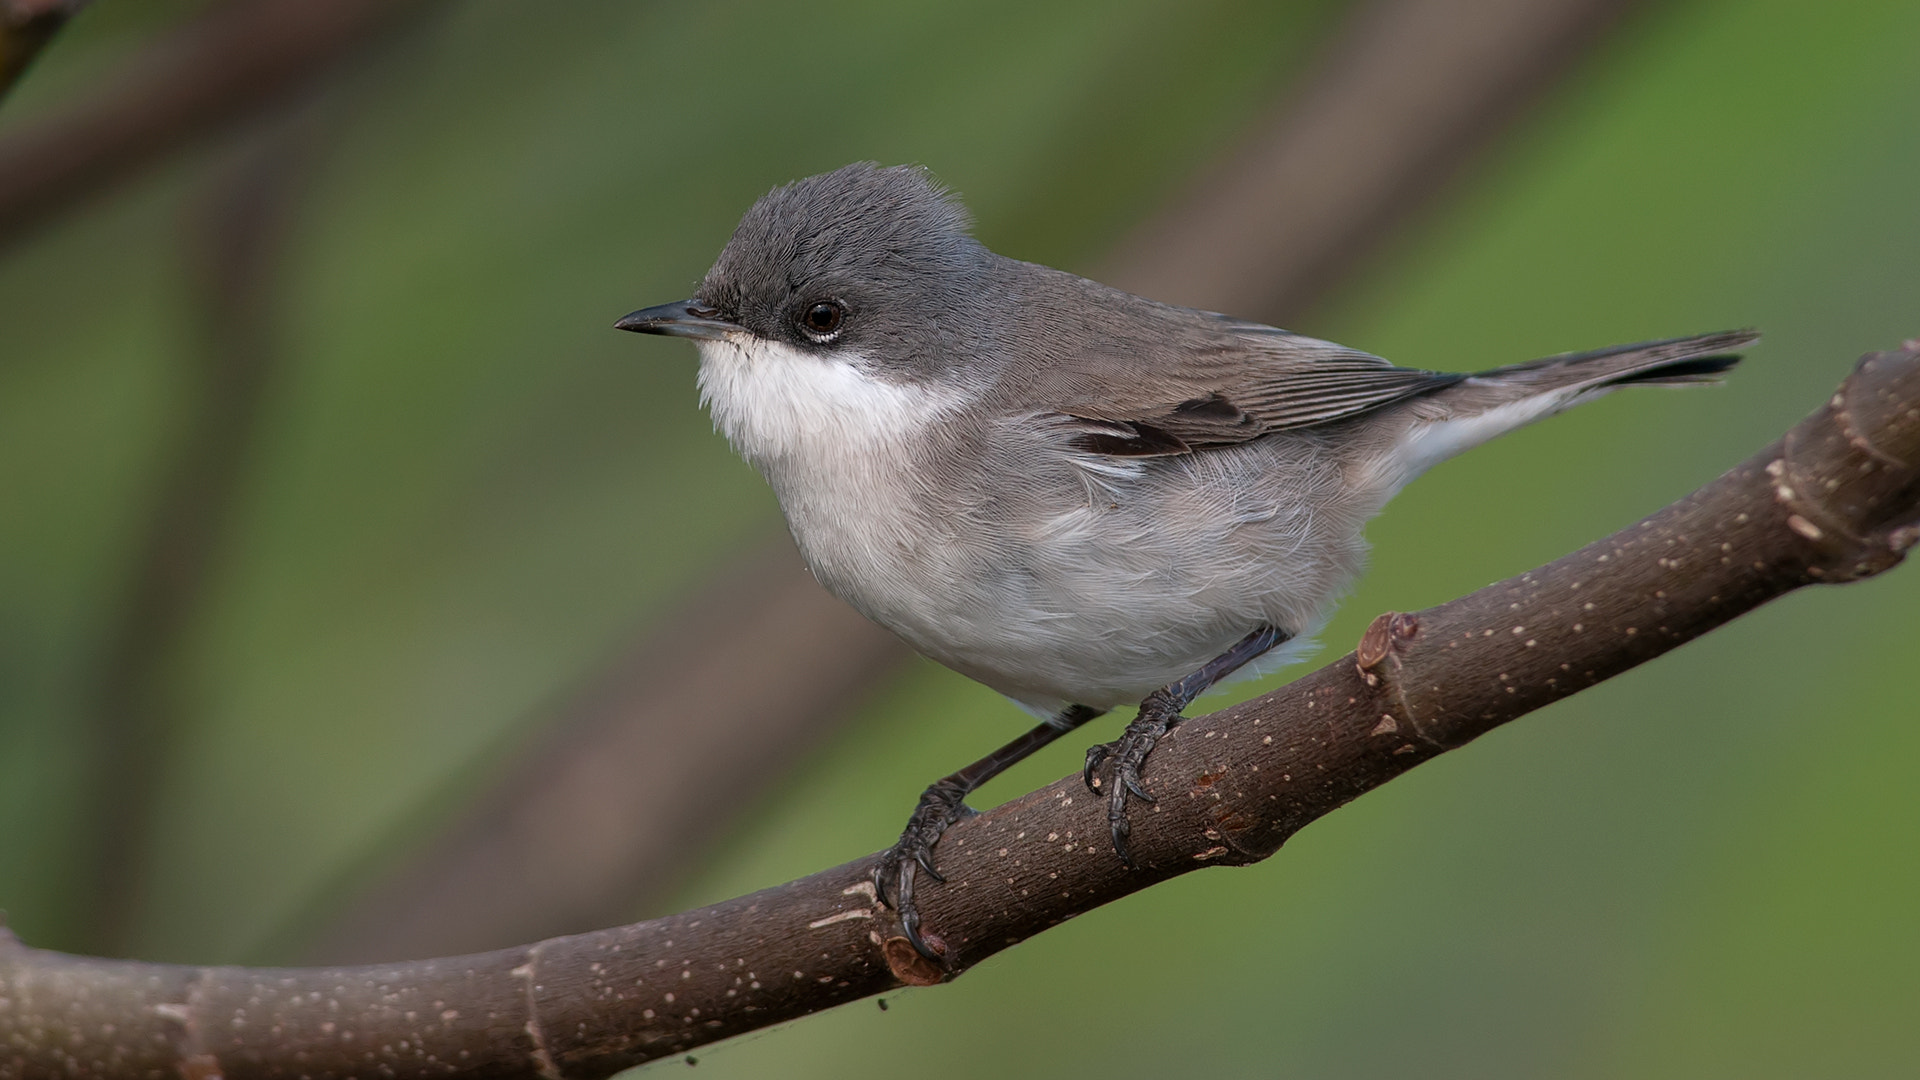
(1836, 499)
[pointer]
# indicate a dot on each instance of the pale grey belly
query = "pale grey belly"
(1054, 590)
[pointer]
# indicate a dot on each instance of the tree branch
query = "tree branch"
(1836, 499)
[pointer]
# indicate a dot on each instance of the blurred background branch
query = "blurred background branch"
(640, 772)
(238, 61)
(1399, 100)
(236, 260)
(223, 67)
(25, 28)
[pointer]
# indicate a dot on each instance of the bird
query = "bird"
(1081, 498)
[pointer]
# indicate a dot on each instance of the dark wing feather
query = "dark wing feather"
(1241, 381)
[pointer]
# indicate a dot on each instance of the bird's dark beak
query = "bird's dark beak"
(682, 318)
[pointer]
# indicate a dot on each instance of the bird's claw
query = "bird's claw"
(1119, 829)
(1113, 770)
(940, 806)
(925, 858)
(1097, 755)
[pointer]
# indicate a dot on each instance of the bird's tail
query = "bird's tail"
(1492, 403)
(1675, 361)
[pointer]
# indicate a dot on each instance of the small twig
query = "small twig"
(1836, 499)
(223, 67)
(25, 28)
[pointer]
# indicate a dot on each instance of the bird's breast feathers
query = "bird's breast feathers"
(773, 401)
(838, 445)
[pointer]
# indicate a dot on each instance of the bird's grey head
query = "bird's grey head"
(863, 261)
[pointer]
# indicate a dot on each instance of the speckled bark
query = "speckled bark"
(1837, 499)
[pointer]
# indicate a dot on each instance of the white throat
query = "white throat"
(780, 405)
(838, 445)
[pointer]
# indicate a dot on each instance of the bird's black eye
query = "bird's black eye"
(822, 320)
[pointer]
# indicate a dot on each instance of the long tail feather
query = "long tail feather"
(1683, 360)
(1492, 403)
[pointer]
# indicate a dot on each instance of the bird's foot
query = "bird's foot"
(941, 805)
(1113, 769)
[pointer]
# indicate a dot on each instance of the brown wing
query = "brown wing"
(1241, 381)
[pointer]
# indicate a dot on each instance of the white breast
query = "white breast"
(835, 442)
(775, 402)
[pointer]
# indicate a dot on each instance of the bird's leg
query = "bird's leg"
(942, 804)
(1113, 769)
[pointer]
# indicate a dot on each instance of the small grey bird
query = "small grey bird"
(1079, 497)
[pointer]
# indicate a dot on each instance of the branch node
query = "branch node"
(909, 966)
(1388, 635)
(196, 1060)
(528, 974)
(1842, 476)
(1388, 638)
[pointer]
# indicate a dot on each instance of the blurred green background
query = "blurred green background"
(466, 489)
